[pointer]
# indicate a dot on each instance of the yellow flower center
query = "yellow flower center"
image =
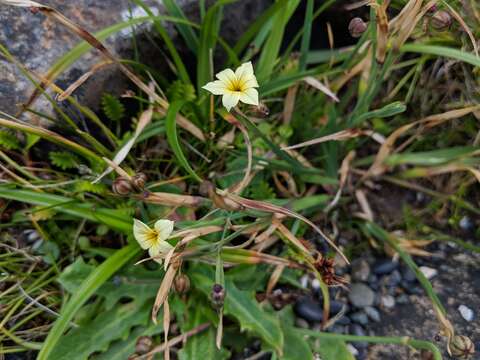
(236, 85)
(152, 237)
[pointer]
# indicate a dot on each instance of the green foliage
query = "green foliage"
(64, 160)
(83, 186)
(181, 91)
(112, 107)
(8, 140)
(81, 342)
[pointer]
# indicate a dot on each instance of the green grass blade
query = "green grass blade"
(188, 34)
(101, 274)
(271, 49)
(182, 71)
(255, 28)
(307, 32)
(442, 51)
(171, 131)
(110, 217)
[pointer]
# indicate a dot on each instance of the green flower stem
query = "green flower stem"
(400, 340)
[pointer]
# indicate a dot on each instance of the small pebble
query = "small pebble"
(360, 270)
(408, 275)
(315, 284)
(309, 310)
(359, 317)
(336, 307)
(344, 320)
(383, 267)
(428, 272)
(466, 224)
(352, 350)
(372, 313)
(361, 295)
(466, 313)
(388, 301)
(338, 329)
(394, 278)
(402, 299)
(304, 281)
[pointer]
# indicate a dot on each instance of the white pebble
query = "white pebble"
(466, 312)
(388, 301)
(315, 284)
(428, 272)
(352, 349)
(304, 281)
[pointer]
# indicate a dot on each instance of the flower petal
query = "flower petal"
(246, 76)
(143, 234)
(249, 96)
(164, 228)
(230, 99)
(227, 76)
(159, 250)
(216, 87)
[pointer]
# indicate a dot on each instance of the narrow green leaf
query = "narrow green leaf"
(87, 289)
(84, 210)
(182, 70)
(186, 31)
(442, 51)
(171, 131)
(307, 31)
(270, 51)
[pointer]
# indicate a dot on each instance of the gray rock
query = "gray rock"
(428, 272)
(383, 267)
(309, 310)
(466, 312)
(37, 42)
(360, 270)
(359, 317)
(361, 295)
(372, 313)
(388, 301)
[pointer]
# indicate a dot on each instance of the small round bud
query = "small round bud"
(122, 186)
(462, 347)
(181, 284)
(441, 20)
(218, 296)
(261, 110)
(139, 180)
(432, 9)
(143, 345)
(357, 27)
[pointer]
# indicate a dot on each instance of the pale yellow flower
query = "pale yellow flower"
(235, 86)
(154, 240)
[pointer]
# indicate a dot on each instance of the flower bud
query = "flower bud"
(122, 186)
(143, 345)
(139, 180)
(181, 284)
(261, 110)
(218, 296)
(357, 27)
(441, 20)
(461, 347)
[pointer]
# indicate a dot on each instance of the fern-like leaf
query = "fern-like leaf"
(83, 186)
(64, 160)
(181, 91)
(9, 141)
(112, 107)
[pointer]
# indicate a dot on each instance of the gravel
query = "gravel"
(385, 266)
(466, 313)
(361, 295)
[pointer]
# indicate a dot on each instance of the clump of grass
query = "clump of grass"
(241, 186)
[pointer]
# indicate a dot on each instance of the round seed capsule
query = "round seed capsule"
(122, 186)
(462, 347)
(218, 296)
(139, 180)
(357, 27)
(181, 284)
(143, 345)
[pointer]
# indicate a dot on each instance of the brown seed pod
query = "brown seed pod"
(218, 296)
(357, 27)
(462, 347)
(441, 20)
(139, 180)
(181, 284)
(143, 345)
(122, 186)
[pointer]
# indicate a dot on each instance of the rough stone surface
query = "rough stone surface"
(37, 42)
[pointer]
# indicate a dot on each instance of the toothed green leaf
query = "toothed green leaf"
(64, 160)
(112, 107)
(9, 141)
